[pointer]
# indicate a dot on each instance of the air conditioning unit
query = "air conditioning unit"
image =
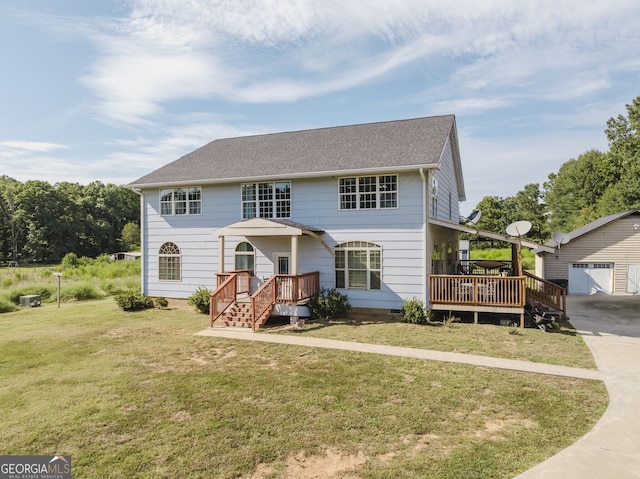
(30, 301)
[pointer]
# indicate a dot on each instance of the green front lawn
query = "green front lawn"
(137, 395)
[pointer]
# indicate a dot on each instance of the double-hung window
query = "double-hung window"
(266, 200)
(368, 192)
(358, 265)
(181, 201)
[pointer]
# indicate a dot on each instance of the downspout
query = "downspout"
(142, 242)
(425, 235)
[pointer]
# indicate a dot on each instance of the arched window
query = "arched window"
(358, 265)
(169, 267)
(245, 257)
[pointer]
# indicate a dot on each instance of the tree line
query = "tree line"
(593, 185)
(43, 222)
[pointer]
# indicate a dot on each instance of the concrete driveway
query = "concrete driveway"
(610, 326)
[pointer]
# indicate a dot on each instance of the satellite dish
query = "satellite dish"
(519, 228)
(560, 238)
(474, 217)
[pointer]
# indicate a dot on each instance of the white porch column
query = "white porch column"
(221, 254)
(294, 254)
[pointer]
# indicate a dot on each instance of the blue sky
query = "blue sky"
(111, 90)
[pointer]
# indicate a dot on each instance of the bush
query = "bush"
(70, 260)
(200, 299)
(45, 292)
(7, 306)
(133, 301)
(328, 304)
(80, 292)
(413, 311)
(161, 302)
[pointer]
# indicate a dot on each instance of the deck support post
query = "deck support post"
(522, 320)
(475, 317)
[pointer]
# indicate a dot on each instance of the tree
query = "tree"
(9, 190)
(46, 213)
(529, 207)
(130, 237)
(623, 134)
(571, 194)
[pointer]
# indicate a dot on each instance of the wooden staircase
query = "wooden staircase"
(229, 304)
(239, 315)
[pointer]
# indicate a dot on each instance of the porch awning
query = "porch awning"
(268, 227)
(489, 234)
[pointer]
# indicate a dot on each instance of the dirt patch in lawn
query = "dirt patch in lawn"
(332, 465)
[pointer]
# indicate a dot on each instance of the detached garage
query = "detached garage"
(601, 257)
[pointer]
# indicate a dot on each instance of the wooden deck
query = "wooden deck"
(493, 294)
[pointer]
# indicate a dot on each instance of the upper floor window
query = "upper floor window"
(369, 192)
(266, 200)
(358, 265)
(181, 201)
(169, 262)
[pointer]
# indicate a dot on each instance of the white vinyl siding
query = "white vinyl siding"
(399, 232)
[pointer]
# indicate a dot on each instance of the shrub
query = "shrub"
(161, 302)
(7, 306)
(45, 292)
(133, 301)
(70, 260)
(328, 304)
(413, 311)
(200, 300)
(80, 292)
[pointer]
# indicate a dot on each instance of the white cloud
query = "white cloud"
(20, 146)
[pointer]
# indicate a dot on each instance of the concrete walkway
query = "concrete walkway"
(610, 327)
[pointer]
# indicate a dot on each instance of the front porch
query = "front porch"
(232, 302)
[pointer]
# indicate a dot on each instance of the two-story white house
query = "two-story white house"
(351, 204)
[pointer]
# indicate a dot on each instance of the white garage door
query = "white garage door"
(590, 278)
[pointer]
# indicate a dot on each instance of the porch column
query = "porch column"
(221, 254)
(294, 255)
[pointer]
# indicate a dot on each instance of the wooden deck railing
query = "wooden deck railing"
(294, 288)
(222, 297)
(546, 292)
(243, 278)
(476, 290)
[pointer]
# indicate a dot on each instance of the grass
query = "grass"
(137, 395)
(528, 257)
(90, 280)
(563, 347)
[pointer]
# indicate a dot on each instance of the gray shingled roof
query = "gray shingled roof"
(373, 146)
(599, 223)
(594, 225)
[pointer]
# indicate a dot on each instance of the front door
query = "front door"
(281, 263)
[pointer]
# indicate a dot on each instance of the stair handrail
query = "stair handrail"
(263, 300)
(222, 297)
(546, 292)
